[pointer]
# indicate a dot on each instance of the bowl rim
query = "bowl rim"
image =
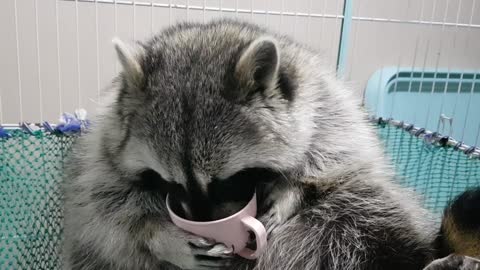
(201, 223)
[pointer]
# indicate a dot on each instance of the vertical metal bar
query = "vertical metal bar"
(461, 77)
(151, 17)
(427, 185)
(392, 106)
(59, 68)
(467, 110)
(448, 70)
(322, 25)
(78, 56)
(437, 63)
(251, 10)
(18, 62)
(422, 80)
(39, 73)
(204, 7)
(354, 46)
(115, 30)
(97, 50)
(379, 89)
(345, 30)
(415, 53)
(236, 8)
(282, 7)
(221, 8)
(134, 19)
(296, 20)
(334, 56)
(424, 67)
(478, 135)
(1, 106)
(266, 13)
(170, 12)
(309, 18)
(473, 82)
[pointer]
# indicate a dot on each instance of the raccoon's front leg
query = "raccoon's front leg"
(188, 251)
(282, 201)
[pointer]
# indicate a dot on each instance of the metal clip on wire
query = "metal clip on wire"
(470, 150)
(458, 145)
(48, 127)
(443, 141)
(381, 122)
(29, 128)
(430, 138)
(419, 132)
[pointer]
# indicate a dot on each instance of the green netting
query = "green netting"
(437, 173)
(30, 200)
(31, 206)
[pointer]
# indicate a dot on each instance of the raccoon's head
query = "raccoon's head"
(210, 109)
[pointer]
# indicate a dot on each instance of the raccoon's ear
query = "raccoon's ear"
(129, 59)
(257, 68)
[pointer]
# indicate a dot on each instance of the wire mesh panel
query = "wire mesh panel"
(30, 199)
(435, 172)
(428, 52)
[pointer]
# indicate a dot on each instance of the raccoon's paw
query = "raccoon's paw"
(454, 262)
(201, 254)
(191, 252)
(209, 255)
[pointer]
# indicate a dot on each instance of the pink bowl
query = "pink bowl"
(231, 231)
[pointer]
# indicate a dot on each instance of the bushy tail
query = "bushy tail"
(460, 229)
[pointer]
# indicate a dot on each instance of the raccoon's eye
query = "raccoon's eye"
(254, 175)
(150, 180)
(240, 186)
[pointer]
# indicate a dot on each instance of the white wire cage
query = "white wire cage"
(57, 54)
(416, 61)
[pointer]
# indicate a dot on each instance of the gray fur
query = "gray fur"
(194, 115)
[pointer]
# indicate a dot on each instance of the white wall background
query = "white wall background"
(420, 34)
(56, 55)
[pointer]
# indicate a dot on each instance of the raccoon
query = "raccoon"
(209, 112)
(458, 241)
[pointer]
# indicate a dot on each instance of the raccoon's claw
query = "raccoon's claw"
(190, 252)
(210, 255)
(215, 250)
(202, 242)
(216, 257)
(454, 262)
(220, 250)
